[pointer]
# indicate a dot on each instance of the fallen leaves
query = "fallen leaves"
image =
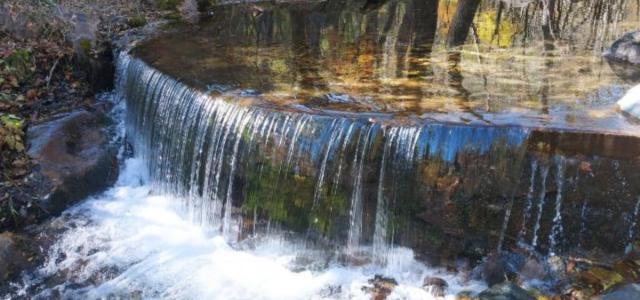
(11, 133)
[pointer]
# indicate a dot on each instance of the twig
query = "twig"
(51, 71)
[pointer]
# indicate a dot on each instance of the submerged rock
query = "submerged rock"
(505, 291)
(625, 292)
(600, 279)
(435, 285)
(12, 260)
(381, 287)
(624, 56)
(500, 267)
(532, 270)
(74, 158)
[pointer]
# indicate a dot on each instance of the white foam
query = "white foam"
(132, 241)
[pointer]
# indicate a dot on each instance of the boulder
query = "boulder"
(532, 270)
(381, 287)
(630, 102)
(74, 158)
(12, 260)
(505, 291)
(499, 267)
(600, 279)
(93, 55)
(624, 56)
(436, 286)
(624, 292)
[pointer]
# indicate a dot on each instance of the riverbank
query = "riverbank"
(56, 133)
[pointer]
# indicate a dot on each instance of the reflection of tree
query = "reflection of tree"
(565, 19)
(425, 17)
(305, 37)
(455, 81)
(462, 20)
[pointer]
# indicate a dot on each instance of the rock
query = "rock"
(189, 11)
(626, 49)
(505, 291)
(74, 158)
(12, 260)
(93, 61)
(354, 259)
(464, 295)
(532, 270)
(600, 279)
(500, 267)
(381, 287)
(93, 57)
(630, 102)
(624, 56)
(435, 285)
(624, 292)
(557, 265)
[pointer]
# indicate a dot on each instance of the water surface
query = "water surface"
(390, 59)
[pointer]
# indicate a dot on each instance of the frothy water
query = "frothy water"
(134, 242)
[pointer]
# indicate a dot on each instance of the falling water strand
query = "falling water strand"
(380, 230)
(334, 138)
(541, 200)
(230, 229)
(355, 214)
(633, 223)
(527, 208)
(345, 143)
(556, 230)
(583, 222)
(505, 223)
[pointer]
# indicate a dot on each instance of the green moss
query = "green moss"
(85, 46)
(168, 4)
(288, 198)
(17, 64)
(137, 21)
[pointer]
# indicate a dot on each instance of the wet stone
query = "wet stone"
(505, 291)
(381, 287)
(500, 267)
(624, 56)
(74, 157)
(436, 286)
(12, 259)
(624, 292)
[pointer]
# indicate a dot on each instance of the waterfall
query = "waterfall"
(355, 213)
(556, 230)
(505, 223)
(633, 223)
(236, 164)
(335, 135)
(541, 200)
(380, 230)
(529, 202)
(402, 141)
(583, 222)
